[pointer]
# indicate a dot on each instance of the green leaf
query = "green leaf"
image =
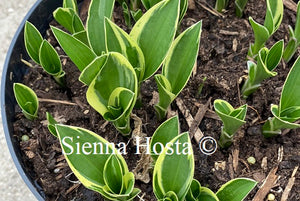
(64, 16)
(274, 56)
(261, 35)
(118, 40)
(119, 79)
(181, 58)
(207, 195)
(267, 61)
(290, 49)
(164, 134)
(92, 70)
(297, 26)
(154, 34)
(71, 4)
(126, 14)
(78, 52)
(236, 189)
(99, 9)
(51, 124)
(273, 126)
(232, 121)
(165, 96)
(290, 95)
(27, 100)
(49, 59)
(77, 24)
(174, 172)
(274, 15)
(33, 41)
(113, 175)
(239, 7)
(136, 15)
(194, 191)
(89, 160)
(82, 36)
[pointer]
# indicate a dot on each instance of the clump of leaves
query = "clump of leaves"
(42, 52)
(294, 41)
(174, 170)
(116, 100)
(177, 68)
(131, 9)
(267, 61)
(99, 168)
(27, 100)
(145, 48)
(288, 110)
(262, 33)
(232, 120)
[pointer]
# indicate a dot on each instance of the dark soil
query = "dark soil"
(222, 60)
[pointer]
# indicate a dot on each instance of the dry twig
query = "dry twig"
(198, 118)
(189, 119)
(290, 5)
(267, 185)
(289, 186)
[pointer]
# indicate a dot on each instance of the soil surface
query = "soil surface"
(222, 61)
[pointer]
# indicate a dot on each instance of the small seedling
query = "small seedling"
(288, 110)
(262, 33)
(42, 52)
(177, 68)
(131, 9)
(294, 41)
(27, 100)
(239, 7)
(267, 61)
(221, 5)
(99, 168)
(232, 120)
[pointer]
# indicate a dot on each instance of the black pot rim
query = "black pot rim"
(6, 82)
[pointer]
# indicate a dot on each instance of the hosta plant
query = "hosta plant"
(97, 164)
(294, 41)
(42, 53)
(239, 7)
(221, 5)
(232, 120)
(174, 169)
(27, 100)
(267, 61)
(116, 100)
(262, 33)
(137, 55)
(288, 110)
(177, 68)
